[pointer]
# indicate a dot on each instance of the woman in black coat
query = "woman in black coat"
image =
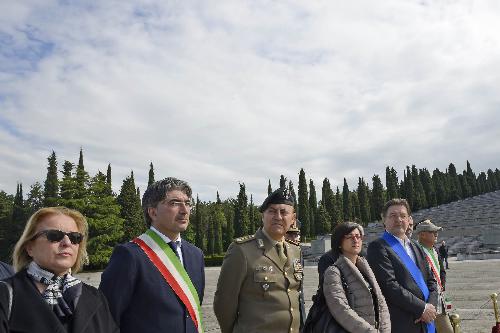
(43, 296)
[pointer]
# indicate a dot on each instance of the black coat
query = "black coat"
(5, 271)
(403, 296)
(30, 313)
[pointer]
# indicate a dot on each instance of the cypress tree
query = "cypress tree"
(356, 211)
(291, 190)
(219, 221)
(346, 202)
(199, 225)
(391, 182)
(492, 180)
(282, 181)
(18, 219)
(81, 178)
(241, 213)
(251, 217)
(151, 178)
(471, 180)
(130, 209)
(210, 236)
(109, 189)
(328, 198)
(378, 199)
(409, 188)
(497, 176)
(6, 206)
(419, 195)
(428, 186)
(364, 202)
(67, 187)
(228, 207)
(269, 188)
(105, 223)
(337, 218)
(440, 186)
(482, 186)
(51, 184)
(454, 184)
(466, 190)
(313, 209)
(303, 205)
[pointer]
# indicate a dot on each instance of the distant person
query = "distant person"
(363, 308)
(5, 270)
(261, 276)
(293, 236)
(46, 297)
(403, 274)
(409, 230)
(427, 237)
(155, 283)
(443, 251)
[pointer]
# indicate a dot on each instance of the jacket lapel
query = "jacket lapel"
(269, 250)
(85, 309)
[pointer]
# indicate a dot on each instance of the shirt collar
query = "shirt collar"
(273, 241)
(165, 237)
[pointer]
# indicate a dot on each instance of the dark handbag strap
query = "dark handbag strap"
(10, 294)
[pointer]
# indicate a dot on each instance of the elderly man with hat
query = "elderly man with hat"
(427, 236)
(261, 275)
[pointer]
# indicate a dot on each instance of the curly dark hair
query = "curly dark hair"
(157, 192)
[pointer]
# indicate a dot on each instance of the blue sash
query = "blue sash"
(415, 272)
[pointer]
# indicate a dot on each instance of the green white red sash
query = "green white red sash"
(431, 260)
(170, 267)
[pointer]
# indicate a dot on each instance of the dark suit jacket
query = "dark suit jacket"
(405, 300)
(5, 271)
(140, 299)
(31, 314)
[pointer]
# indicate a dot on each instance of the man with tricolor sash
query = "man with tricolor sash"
(403, 273)
(427, 237)
(155, 283)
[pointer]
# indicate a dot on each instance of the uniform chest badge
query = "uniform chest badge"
(265, 286)
(298, 270)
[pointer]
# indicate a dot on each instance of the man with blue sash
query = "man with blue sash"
(403, 273)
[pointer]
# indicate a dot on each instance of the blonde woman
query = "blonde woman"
(43, 296)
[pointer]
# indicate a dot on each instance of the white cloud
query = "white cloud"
(230, 91)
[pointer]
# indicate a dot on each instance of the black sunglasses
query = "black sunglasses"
(54, 235)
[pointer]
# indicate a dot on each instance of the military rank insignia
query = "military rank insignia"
(265, 286)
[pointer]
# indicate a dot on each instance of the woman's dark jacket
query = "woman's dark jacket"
(30, 313)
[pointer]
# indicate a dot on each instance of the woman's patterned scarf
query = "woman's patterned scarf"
(62, 292)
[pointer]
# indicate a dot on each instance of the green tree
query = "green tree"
(428, 186)
(356, 210)
(6, 207)
(391, 182)
(291, 190)
(151, 178)
(81, 179)
(219, 221)
(18, 219)
(35, 199)
(228, 207)
(492, 180)
(269, 188)
(338, 215)
(51, 184)
(130, 209)
(378, 199)
(210, 234)
(241, 213)
(409, 187)
(105, 223)
(313, 209)
(346, 202)
(420, 200)
(109, 189)
(303, 205)
(439, 181)
(364, 201)
(324, 224)
(454, 184)
(328, 198)
(471, 179)
(282, 181)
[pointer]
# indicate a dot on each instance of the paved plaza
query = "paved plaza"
(469, 285)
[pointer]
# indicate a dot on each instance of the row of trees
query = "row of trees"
(118, 217)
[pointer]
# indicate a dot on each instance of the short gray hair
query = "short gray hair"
(157, 192)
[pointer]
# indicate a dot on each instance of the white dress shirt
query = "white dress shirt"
(168, 240)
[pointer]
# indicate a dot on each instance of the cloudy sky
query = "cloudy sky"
(221, 92)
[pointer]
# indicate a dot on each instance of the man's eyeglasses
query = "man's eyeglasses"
(178, 203)
(353, 237)
(54, 236)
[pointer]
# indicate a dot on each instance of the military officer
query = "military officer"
(261, 275)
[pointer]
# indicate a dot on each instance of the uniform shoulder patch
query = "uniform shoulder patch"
(244, 239)
(292, 242)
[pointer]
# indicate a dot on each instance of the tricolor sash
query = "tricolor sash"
(170, 267)
(415, 272)
(433, 264)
